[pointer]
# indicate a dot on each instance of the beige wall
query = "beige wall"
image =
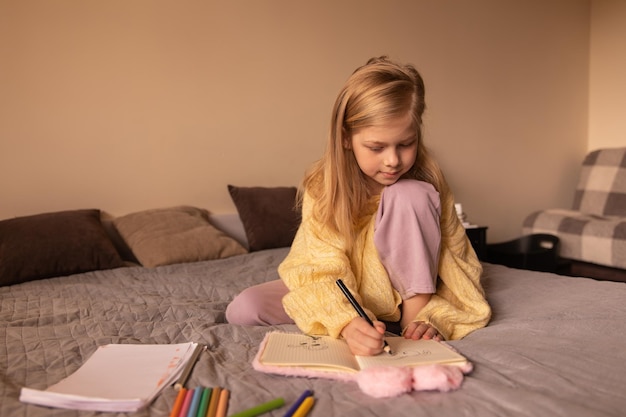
(128, 105)
(607, 75)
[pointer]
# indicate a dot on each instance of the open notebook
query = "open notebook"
(116, 378)
(323, 356)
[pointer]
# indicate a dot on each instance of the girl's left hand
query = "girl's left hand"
(420, 330)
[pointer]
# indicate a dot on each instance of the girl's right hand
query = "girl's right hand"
(363, 339)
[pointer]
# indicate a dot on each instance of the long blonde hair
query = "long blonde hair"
(375, 93)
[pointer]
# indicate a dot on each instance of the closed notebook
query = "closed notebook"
(323, 356)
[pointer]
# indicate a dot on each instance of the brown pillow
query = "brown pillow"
(54, 244)
(174, 235)
(120, 245)
(269, 215)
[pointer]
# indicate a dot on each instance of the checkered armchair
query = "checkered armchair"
(594, 230)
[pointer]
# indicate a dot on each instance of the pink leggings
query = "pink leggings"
(411, 259)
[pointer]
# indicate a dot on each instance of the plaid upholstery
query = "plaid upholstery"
(601, 188)
(594, 230)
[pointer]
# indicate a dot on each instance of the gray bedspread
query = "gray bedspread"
(555, 346)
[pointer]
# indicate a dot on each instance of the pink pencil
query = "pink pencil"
(186, 404)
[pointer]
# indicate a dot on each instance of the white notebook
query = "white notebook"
(117, 377)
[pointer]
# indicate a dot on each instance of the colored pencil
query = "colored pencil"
(185, 408)
(296, 404)
(195, 402)
(304, 408)
(204, 402)
(178, 404)
(262, 408)
(222, 405)
(215, 398)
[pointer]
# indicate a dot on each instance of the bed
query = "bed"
(555, 345)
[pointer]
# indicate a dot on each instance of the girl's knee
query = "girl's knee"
(244, 308)
(247, 308)
(259, 305)
(416, 195)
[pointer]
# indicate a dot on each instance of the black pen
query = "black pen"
(360, 310)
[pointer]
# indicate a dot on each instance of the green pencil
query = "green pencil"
(260, 409)
(204, 402)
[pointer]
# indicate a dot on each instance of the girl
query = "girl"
(377, 213)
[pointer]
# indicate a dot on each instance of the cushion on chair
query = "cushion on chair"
(585, 237)
(601, 188)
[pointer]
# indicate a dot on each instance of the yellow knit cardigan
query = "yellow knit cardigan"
(318, 257)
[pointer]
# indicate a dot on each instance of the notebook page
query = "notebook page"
(293, 349)
(407, 352)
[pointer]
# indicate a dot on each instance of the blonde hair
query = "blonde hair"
(375, 93)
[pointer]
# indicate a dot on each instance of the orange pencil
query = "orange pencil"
(178, 404)
(222, 406)
(215, 397)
